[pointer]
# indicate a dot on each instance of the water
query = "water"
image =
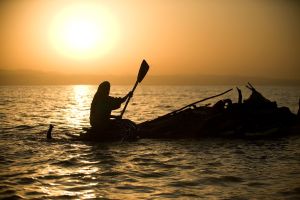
(33, 168)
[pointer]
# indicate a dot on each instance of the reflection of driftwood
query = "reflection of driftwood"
(196, 102)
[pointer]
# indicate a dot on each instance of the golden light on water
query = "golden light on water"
(79, 110)
(80, 92)
(60, 189)
(83, 31)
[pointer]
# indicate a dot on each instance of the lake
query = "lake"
(32, 167)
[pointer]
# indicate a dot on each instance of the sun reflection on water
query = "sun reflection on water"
(53, 175)
(78, 113)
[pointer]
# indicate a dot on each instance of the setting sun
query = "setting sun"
(83, 31)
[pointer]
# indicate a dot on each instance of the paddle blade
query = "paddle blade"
(143, 71)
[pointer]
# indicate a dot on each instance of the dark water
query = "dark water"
(33, 168)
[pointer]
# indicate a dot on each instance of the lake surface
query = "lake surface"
(32, 167)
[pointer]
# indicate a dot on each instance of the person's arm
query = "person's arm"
(129, 95)
(115, 102)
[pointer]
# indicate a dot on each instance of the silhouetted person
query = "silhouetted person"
(102, 105)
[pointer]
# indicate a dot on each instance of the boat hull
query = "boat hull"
(123, 130)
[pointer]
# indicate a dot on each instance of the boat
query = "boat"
(124, 129)
(255, 117)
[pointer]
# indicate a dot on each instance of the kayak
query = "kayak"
(123, 131)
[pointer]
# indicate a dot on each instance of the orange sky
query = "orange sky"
(257, 38)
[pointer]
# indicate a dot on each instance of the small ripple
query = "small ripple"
(152, 175)
(9, 194)
(5, 161)
(12, 197)
(143, 160)
(189, 183)
(238, 151)
(136, 188)
(49, 177)
(257, 184)
(237, 198)
(10, 175)
(79, 188)
(167, 195)
(131, 180)
(164, 165)
(215, 164)
(65, 197)
(291, 192)
(223, 180)
(186, 166)
(34, 193)
(25, 181)
(232, 179)
(67, 163)
(111, 173)
(23, 127)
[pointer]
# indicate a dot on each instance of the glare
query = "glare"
(81, 34)
(83, 31)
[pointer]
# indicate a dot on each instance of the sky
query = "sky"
(176, 37)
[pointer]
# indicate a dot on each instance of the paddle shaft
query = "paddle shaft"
(136, 83)
(141, 75)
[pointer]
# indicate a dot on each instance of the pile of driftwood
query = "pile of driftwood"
(254, 117)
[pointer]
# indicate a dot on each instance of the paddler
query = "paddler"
(102, 105)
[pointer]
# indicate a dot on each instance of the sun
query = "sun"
(81, 34)
(83, 31)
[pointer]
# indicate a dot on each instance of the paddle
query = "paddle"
(142, 73)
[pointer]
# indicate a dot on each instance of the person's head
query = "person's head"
(104, 88)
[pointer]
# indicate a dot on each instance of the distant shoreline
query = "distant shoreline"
(28, 77)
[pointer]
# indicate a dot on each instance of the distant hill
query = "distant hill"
(30, 77)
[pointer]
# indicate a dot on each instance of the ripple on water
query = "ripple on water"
(152, 163)
(206, 181)
(9, 194)
(112, 173)
(152, 174)
(222, 180)
(71, 162)
(153, 169)
(215, 164)
(177, 194)
(185, 183)
(257, 184)
(293, 193)
(25, 181)
(24, 127)
(136, 188)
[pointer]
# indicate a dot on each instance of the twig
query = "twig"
(196, 102)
